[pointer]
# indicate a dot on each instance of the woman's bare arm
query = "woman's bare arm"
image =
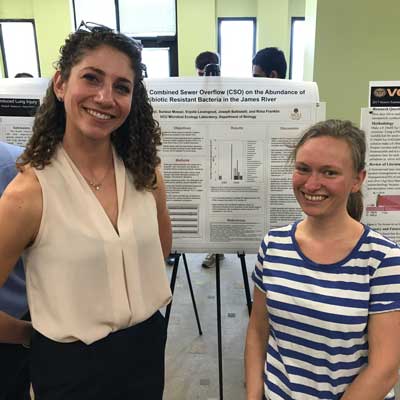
(381, 374)
(20, 214)
(256, 340)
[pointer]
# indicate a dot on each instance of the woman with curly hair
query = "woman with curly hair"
(88, 210)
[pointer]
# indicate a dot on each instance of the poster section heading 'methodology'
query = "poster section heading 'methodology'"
(382, 188)
(226, 145)
(384, 94)
(19, 100)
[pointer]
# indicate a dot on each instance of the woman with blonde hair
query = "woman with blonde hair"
(325, 323)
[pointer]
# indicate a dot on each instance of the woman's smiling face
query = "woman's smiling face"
(324, 177)
(98, 93)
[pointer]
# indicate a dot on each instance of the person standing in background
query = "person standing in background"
(14, 352)
(23, 75)
(204, 59)
(269, 63)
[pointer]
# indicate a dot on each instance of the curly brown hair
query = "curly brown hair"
(135, 141)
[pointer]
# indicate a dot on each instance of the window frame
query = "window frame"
(222, 19)
(163, 42)
(2, 47)
(292, 21)
(153, 42)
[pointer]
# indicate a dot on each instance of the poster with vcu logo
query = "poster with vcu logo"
(384, 94)
(381, 123)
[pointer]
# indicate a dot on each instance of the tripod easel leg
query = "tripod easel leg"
(172, 285)
(218, 289)
(245, 281)
(191, 293)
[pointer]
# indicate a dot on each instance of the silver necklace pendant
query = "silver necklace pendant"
(97, 187)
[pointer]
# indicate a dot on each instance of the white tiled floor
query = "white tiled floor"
(192, 360)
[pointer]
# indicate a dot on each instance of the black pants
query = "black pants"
(126, 365)
(14, 372)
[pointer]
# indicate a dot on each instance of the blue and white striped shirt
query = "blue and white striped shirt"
(318, 314)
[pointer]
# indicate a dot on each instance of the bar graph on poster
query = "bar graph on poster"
(228, 168)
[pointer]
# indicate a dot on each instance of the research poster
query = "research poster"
(382, 188)
(19, 100)
(225, 157)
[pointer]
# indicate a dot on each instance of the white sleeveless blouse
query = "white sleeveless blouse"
(85, 280)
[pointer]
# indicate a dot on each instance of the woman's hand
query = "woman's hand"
(381, 374)
(14, 331)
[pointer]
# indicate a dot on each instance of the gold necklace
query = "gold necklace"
(98, 185)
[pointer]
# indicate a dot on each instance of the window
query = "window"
(156, 60)
(297, 45)
(236, 45)
(136, 18)
(100, 11)
(19, 47)
(147, 18)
